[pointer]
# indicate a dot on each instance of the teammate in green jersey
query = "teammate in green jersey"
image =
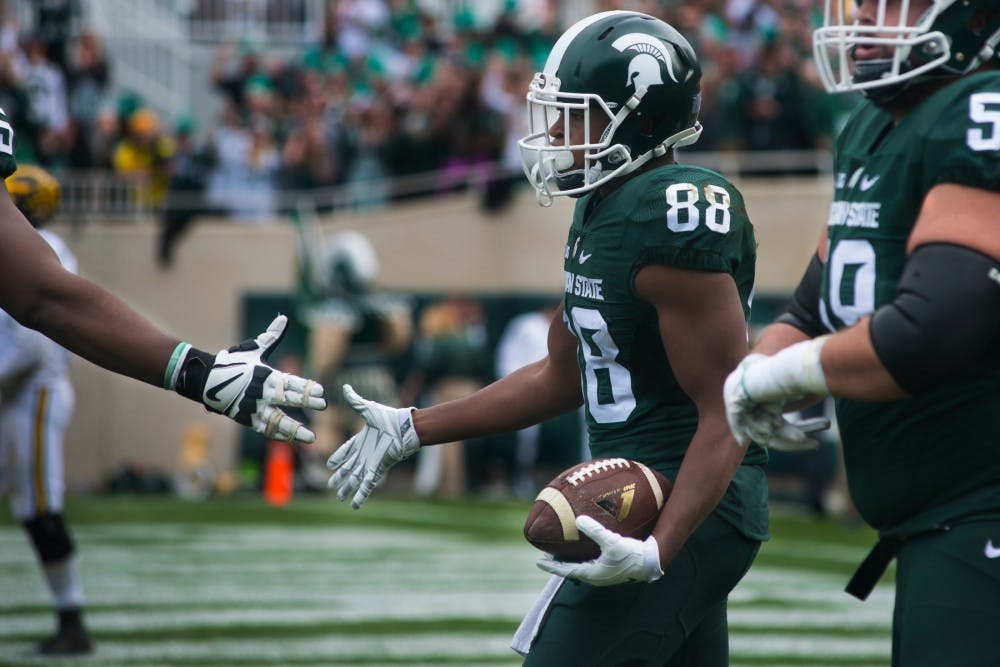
(898, 315)
(659, 270)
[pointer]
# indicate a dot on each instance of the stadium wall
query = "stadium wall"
(439, 245)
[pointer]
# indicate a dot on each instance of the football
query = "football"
(624, 496)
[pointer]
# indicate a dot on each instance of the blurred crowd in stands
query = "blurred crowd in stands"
(392, 102)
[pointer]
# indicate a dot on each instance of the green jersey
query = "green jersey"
(677, 215)
(7, 162)
(935, 458)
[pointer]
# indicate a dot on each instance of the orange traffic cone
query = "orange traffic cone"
(279, 473)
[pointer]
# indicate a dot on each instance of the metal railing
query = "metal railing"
(266, 21)
(269, 21)
(93, 195)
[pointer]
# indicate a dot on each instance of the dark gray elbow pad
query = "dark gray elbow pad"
(803, 313)
(944, 323)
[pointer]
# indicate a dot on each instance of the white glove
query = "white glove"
(387, 438)
(766, 425)
(622, 559)
(757, 391)
(239, 384)
(790, 374)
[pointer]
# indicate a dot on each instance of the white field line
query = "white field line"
(298, 576)
(446, 645)
(504, 608)
(268, 651)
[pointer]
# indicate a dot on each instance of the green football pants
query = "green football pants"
(677, 621)
(948, 598)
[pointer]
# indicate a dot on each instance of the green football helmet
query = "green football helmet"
(351, 264)
(634, 69)
(951, 38)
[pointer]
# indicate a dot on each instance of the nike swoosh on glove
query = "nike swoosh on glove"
(239, 384)
(387, 438)
(622, 560)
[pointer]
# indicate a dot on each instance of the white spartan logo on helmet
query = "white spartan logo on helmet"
(643, 69)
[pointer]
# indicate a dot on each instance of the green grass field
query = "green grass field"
(233, 582)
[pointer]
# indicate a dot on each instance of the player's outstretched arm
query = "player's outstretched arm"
(91, 322)
(537, 392)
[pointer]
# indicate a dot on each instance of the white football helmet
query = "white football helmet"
(950, 38)
(351, 263)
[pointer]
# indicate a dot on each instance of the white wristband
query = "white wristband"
(792, 373)
(407, 431)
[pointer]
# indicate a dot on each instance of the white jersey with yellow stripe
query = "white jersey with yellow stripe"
(36, 405)
(27, 356)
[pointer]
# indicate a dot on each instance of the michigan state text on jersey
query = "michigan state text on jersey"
(659, 270)
(898, 314)
(677, 215)
(883, 173)
(593, 138)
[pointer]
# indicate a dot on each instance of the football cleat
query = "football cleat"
(74, 641)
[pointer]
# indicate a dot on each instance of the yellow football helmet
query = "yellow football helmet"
(35, 192)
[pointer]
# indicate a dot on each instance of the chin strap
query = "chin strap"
(594, 173)
(542, 193)
(989, 50)
(685, 137)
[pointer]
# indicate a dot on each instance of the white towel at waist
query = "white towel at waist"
(528, 630)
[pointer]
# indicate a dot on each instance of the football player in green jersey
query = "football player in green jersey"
(88, 320)
(659, 270)
(898, 315)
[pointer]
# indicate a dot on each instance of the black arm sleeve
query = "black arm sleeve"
(944, 324)
(803, 313)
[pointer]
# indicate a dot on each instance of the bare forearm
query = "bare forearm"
(843, 364)
(74, 312)
(709, 465)
(777, 337)
(96, 325)
(853, 370)
(528, 396)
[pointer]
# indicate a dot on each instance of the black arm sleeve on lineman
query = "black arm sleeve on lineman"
(803, 313)
(944, 323)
